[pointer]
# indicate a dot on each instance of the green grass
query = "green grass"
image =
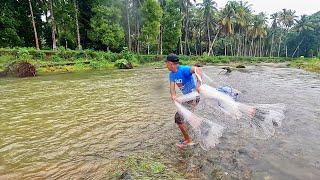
(143, 167)
(312, 65)
(47, 61)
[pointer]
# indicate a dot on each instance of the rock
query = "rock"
(199, 64)
(240, 66)
(125, 175)
(3, 73)
(242, 151)
(228, 69)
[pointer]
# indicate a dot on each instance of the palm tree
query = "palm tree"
(227, 21)
(287, 19)
(228, 17)
(184, 8)
(303, 26)
(243, 19)
(258, 31)
(34, 26)
(208, 8)
(274, 27)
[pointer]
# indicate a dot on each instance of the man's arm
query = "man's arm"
(173, 91)
(198, 73)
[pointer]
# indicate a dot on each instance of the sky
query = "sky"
(301, 7)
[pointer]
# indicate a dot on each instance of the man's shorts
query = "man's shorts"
(189, 105)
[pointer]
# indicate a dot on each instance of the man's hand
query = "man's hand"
(198, 87)
(173, 97)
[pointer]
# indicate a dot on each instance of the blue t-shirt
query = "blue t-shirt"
(183, 78)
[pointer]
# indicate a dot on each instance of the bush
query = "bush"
(20, 69)
(123, 64)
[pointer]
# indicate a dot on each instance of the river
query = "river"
(78, 125)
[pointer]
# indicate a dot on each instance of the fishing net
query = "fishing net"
(206, 132)
(261, 118)
(219, 108)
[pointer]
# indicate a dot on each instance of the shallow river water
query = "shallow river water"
(77, 125)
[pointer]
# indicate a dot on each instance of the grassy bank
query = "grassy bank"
(312, 65)
(63, 60)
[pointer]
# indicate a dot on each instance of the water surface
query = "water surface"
(76, 125)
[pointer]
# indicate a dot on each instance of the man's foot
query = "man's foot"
(184, 143)
(252, 112)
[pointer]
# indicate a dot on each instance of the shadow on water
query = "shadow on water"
(120, 123)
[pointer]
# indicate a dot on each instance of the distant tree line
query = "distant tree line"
(158, 27)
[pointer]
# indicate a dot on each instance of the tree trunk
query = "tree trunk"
(239, 44)
(128, 24)
(200, 41)
(297, 48)
(208, 36)
(260, 47)
(54, 28)
(279, 45)
(231, 49)
(271, 48)
(181, 46)
(215, 37)
(161, 40)
(263, 49)
(77, 24)
(34, 27)
(225, 48)
(251, 48)
(245, 50)
(138, 35)
(286, 51)
(186, 27)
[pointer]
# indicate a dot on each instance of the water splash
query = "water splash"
(207, 133)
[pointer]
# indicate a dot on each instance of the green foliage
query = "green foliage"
(305, 37)
(9, 24)
(146, 167)
(172, 25)
(106, 28)
(121, 63)
(151, 17)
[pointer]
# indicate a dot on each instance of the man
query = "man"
(181, 76)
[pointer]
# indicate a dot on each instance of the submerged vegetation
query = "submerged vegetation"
(142, 167)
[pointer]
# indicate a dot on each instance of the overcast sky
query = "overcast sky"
(301, 7)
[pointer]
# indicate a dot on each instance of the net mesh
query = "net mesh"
(217, 110)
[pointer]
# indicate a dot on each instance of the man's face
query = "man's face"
(169, 65)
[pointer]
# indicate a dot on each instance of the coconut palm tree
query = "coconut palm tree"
(258, 31)
(184, 9)
(303, 26)
(274, 27)
(243, 19)
(208, 9)
(228, 20)
(287, 19)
